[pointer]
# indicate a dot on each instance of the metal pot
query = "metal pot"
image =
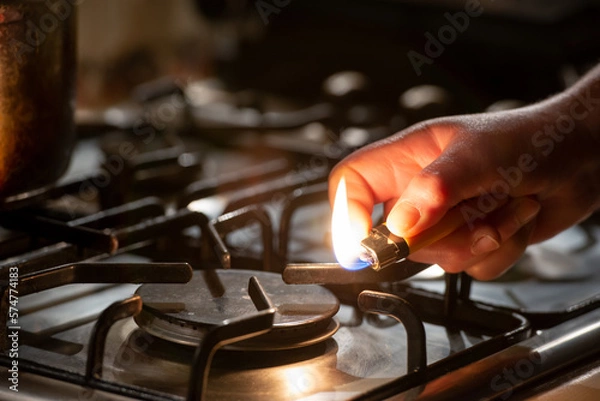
(37, 82)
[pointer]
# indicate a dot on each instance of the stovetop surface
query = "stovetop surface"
(363, 354)
(553, 283)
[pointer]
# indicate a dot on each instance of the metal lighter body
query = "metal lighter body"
(382, 248)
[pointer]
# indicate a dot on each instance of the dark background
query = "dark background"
(500, 55)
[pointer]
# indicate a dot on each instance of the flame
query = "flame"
(344, 237)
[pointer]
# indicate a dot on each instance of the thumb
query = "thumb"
(441, 185)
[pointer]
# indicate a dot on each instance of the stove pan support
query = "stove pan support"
(164, 225)
(63, 253)
(233, 181)
(335, 274)
(458, 287)
(299, 198)
(399, 309)
(545, 357)
(504, 327)
(230, 222)
(79, 273)
(73, 188)
(229, 332)
(41, 226)
(35, 197)
(137, 210)
(151, 223)
(94, 273)
(115, 312)
(278, 189)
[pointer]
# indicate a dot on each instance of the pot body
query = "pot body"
(37, 88)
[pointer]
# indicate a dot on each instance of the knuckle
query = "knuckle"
(451, 268)
(456, 261)
(483, 272)
(585, 193)
(437, 188)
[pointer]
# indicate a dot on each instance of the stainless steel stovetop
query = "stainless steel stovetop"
(93, 252)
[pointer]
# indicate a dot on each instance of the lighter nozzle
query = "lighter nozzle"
(382, 248)
(368, 256)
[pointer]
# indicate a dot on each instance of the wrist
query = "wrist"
(581, 105)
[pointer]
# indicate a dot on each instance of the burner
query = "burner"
(182, 313)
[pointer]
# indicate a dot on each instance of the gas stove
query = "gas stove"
(186, 256)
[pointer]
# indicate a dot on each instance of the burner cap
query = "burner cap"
(182, 313)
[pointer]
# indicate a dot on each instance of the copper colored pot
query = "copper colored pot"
(37, 81)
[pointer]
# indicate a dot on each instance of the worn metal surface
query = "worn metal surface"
(89, 273)
(234, 221)
(403, 312)
(228, 332)
(333, 273)
(498, 375)
(185, 313)
(37, 77)
(116, 311)
(363, 354)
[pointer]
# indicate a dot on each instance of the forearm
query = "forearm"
(581, 103)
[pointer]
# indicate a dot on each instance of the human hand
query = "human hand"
(534, 172)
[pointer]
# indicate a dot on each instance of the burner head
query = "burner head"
(183, 313)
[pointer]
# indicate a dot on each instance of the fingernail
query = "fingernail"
(406, 217)
(484, 244)
(526, 211)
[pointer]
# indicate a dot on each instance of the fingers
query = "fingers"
(373, 175)
(379, 173)
(454, 176)
(515, 215)
(497, 262)
(487, 240)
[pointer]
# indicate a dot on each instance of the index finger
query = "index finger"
(371, 176)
